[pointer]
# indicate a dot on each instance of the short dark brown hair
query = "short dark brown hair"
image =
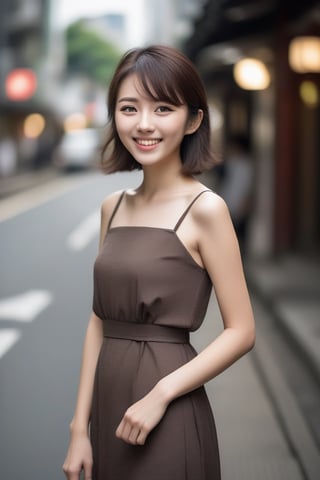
(169, 76)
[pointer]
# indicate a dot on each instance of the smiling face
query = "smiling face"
(151, 130)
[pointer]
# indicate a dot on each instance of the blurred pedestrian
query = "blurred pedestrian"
(236, 185)
(142, 411)
(8, 156)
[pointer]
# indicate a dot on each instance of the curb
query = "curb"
(23, 181)
(299, 333)
(291, 420)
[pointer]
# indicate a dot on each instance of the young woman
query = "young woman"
(142, 412)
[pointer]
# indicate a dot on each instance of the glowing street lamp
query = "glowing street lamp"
(304, 54)
(251, 74)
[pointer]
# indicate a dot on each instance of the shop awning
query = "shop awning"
(227, 20)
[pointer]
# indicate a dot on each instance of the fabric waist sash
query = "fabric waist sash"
(144, 332)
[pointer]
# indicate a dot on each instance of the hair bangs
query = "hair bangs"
(158, 82)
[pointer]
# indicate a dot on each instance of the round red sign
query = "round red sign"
(21, 84)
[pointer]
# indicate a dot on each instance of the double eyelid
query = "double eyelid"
(165, 108)
(131, 109)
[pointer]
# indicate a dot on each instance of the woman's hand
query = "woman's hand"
(79, 457)
(142, 417)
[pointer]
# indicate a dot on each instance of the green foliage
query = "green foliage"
(90, 54)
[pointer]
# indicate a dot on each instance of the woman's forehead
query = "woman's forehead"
(132, 85)
(148, 89)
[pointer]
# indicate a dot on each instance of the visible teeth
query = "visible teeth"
(147, 143)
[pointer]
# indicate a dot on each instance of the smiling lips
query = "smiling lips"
(147, 142)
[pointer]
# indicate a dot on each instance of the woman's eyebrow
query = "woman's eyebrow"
(128, 99)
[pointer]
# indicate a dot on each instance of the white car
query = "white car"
(78, 149)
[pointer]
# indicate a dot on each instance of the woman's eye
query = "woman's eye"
(164, 109)
(127, 109)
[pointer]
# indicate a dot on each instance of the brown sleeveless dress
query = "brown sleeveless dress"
(150, 293)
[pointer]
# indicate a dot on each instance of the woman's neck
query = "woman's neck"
(159, 179)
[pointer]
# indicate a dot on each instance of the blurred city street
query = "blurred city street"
(266, 430)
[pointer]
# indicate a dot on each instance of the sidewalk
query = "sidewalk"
(25, 180)
(253, 444)
(290, 288)
(261, 437)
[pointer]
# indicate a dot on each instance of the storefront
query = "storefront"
(281, 116)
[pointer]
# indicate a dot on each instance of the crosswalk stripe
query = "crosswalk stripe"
(25, 307)
(8, 337)
(81, 236)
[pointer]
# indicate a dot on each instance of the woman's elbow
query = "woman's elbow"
(250, 340)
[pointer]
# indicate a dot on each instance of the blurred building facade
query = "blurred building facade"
(170, 21)
(112, 27)
(31, 51)
(282, 120)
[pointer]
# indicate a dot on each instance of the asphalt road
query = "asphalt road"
(47, 255)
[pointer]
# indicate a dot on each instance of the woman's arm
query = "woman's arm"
(79, 455)
(219, 251)
(91, 348)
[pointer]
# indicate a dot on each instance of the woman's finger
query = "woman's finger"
(141, 438)
(72, 473)
(134, 434)
(87, 468)
(123, 431)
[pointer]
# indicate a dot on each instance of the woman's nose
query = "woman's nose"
(145, 122)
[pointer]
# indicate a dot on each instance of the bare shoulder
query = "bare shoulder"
(216, 236)
(107, 207)
(109, 202)
(209, 210)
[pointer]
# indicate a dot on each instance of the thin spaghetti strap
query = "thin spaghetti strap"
(187, 209)
(115, 209)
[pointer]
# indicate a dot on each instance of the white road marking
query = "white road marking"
(25, 307)
(8, 337)
(85, 232)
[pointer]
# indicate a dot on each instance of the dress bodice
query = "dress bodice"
(146, 274)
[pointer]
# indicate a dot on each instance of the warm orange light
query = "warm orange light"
(75, 121)
(251, 74)
(304, 54)
(33, 125)
(21, 84)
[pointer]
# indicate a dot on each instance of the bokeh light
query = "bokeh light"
(33, 125)
(21, 84)
(251, 74)
(75, 121)
(309, 94)
(304, 54)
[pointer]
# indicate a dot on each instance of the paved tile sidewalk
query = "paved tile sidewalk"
(290, 286)
(252, 443)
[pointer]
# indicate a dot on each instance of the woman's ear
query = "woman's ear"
(194, 122)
